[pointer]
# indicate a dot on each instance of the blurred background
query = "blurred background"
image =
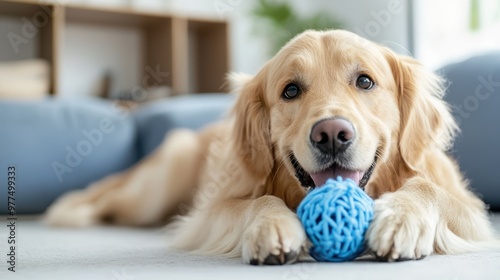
(71, 69)
(107, 47)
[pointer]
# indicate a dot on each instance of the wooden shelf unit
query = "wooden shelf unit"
(193, 50)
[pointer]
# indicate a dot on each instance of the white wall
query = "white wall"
(443, 38)
(91, 51)
(383, 21)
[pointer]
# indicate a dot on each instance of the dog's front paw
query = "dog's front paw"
(401, 229)
(275, 240)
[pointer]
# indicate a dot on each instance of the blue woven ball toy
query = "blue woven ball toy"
(335, 217)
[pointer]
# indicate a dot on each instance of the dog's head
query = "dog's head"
(333, 104)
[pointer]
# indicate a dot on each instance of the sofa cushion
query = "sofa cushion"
(154, 120)
(56, 145)
(474, 94)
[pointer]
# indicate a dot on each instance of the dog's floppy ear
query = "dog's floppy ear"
(426, 121)
(251, 133)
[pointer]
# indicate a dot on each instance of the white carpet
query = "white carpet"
(116, 253)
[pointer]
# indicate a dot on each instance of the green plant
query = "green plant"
(474, 22)
(480, 17)
(280, 22)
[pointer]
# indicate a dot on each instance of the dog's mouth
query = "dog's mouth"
(315, 179)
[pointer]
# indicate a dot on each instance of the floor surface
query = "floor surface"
(118, 253)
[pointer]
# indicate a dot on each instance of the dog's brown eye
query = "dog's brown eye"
(364, 82)
(291, 91)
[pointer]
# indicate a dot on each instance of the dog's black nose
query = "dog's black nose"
(332, 135)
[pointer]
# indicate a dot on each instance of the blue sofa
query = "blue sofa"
(57, 145)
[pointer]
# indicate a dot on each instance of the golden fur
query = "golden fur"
(239, 185)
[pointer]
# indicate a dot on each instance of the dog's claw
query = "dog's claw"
(280, 259)
(275, 259)
(291, 256)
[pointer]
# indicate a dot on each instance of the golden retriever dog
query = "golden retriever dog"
(328, 104)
